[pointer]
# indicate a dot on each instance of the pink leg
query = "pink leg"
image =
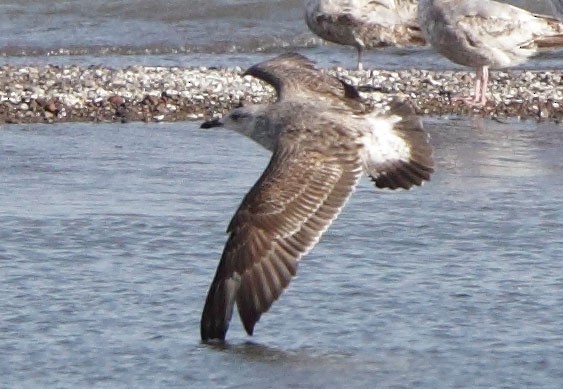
(484, 81)
(478, 85)
(479, 92)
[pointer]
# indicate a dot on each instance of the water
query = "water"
(110, 235)
(187, 32)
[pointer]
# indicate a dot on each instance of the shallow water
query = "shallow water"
(110, 235)
(193, 32)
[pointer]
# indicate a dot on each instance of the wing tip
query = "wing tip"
(211, 326)
(219, 305)
(209, 334)
(403, 175)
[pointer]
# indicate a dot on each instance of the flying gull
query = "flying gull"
(557, 6)
(365, 24)
(486, 34)
(322, 141)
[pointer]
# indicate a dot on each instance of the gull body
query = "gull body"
(322, 141)
(486, 34)
(365, 24)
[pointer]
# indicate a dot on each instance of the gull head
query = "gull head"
(249, 120)
(236, 120)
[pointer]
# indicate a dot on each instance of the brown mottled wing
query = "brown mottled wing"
(387, 23)
(281, 218)
(293, 74)
(501, 26)
(398, 35)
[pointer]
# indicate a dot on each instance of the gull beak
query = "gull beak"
(212, 123)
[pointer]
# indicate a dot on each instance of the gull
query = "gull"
(365, 24)
(557, 6)
(322, 141)
(485, 34)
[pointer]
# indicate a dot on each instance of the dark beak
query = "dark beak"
(211, 123)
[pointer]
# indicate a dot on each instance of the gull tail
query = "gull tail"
(219, 304)
(398, 153)
(550, 41)
(553, 35)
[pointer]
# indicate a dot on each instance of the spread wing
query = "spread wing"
(292, 75)
(280, 219)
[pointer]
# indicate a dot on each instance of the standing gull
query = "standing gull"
(322, 142)
(486, 34)
(557, 6)
(365, 24)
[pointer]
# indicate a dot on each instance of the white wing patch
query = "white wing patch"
(382, 144)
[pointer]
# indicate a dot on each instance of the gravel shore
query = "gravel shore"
(70, 94)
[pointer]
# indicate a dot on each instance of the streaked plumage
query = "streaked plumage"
(486, 34)
(322, 141)
(365, 24)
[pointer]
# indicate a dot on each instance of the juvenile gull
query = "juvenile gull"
(486, 34)
(557, 6)
(365, 24)
(322, 141)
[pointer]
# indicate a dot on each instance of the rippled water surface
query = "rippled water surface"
(188, 32)
(110, 235)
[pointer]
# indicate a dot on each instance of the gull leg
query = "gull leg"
(360, 47)
(484, 80)
(478, 85)
(480, 90)
(360, 67)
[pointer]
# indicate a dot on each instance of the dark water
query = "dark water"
(186, 32)
(110, 235)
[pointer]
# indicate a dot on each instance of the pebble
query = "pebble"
(95, 93)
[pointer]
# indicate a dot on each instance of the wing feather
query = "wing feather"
(292, 75)
(280, 219)
(397, 152)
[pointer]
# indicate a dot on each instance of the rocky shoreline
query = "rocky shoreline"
(52, 94)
